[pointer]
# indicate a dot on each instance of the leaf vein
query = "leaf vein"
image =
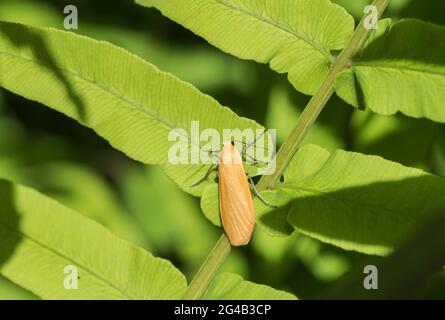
(300, 36)
(57, 253)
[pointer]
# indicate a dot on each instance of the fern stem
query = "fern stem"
(208, 269)
(210, 266)
(319, 101)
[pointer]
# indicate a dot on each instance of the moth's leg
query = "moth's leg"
(211, 152)
(212, 168)
(245, 155)
(255, 190)
(250, 144)
(256, 161)
(247, 144)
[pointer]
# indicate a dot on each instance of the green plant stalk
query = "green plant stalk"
(208, 269)
(210, 266)
(319, 101)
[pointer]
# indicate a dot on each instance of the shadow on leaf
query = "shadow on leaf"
(22, 37)
(9, 223)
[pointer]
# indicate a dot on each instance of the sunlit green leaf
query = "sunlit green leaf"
(227, 286)
(220, 69)
(294, 37)
(354, 201)
(124, 99)
(78, 188)
(39, 237)
(399, 70)
(10, 291)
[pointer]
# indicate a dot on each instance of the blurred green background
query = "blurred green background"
(54, 154)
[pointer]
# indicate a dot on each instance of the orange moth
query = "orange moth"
(235, 199)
